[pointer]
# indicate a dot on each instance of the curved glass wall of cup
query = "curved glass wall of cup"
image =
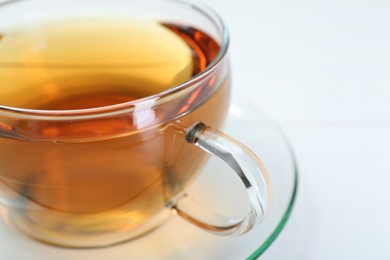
(165, 104)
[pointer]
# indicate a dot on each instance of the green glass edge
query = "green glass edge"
(286, 216)
(277, 231)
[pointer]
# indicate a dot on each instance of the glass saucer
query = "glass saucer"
(177, 239)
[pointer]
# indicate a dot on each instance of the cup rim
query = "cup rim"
(149, 101)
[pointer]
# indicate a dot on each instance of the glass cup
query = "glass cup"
(96, 175)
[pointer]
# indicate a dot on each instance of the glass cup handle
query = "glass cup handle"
(249, 168)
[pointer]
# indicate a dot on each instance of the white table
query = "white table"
(322, 70)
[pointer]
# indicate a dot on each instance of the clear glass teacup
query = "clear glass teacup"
(107, 114)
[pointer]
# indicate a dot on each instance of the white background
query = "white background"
(320, 68)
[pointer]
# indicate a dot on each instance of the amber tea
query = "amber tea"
(107, 177)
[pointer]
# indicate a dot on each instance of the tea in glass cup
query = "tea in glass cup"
(103, 108)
